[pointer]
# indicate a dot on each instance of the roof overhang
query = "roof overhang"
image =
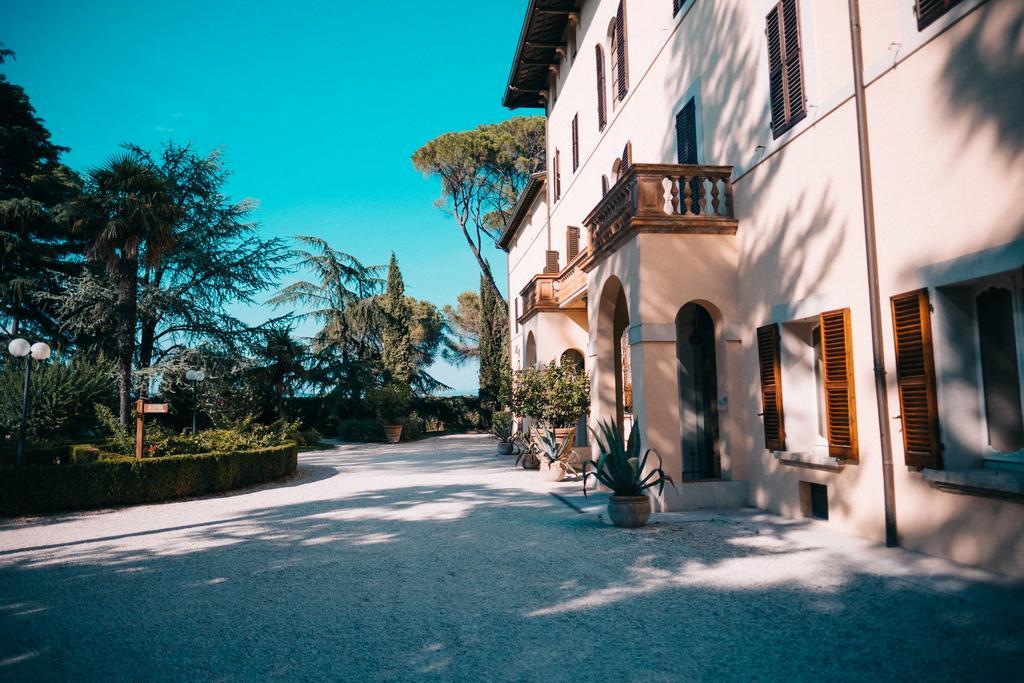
(522, 208)
(541, 46)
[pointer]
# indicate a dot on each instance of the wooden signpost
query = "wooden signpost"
(142, 409)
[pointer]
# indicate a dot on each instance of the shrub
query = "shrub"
(528, 393)
(62, 396)
(125, 481)
(361, 429)
(566, 394)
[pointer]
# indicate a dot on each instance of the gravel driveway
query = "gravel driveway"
(436, 560)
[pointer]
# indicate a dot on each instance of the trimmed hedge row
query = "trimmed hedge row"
(127, 481)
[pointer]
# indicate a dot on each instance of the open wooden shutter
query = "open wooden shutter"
(915, 379)
(785, 66)
(686, 151)
(840, 400)
(928, 11)
(602, 118)
(558, 175)
(551, 262)
(768, 349)
(620, 48)
(572, 243)
(575, 142)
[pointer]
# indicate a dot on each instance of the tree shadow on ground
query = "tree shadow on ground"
(487, 580)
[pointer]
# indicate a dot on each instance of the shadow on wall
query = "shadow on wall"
(469, 581)
(984, 73)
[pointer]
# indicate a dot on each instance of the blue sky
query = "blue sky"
(318, 107)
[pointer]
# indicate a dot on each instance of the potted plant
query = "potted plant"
(527, 393)
(391, 402)
(553, 454)
(621, 467)
(504, 431)
(566, 398)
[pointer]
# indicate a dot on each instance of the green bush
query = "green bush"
(62, 396)
(127, 481)
(361, 429)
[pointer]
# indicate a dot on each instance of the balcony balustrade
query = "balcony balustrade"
(564, 290)
(662, 198)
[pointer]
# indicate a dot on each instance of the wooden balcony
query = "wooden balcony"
(565, 290)
(661, 198)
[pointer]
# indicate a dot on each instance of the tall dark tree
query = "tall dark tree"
(34, 243)
(218, 258)
(494, 358)
(398, 351)
(127, 214)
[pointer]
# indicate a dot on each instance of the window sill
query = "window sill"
(982, 482)
(803, 459)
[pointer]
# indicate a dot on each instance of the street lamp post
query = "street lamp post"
(195, 376)
(20, 348)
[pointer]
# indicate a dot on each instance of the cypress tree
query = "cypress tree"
(495, 374)
(396, 333)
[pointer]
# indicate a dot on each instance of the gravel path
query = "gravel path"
(436, 560)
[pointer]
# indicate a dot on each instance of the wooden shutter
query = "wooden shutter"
(676, 6)
(551, 262)
(768, 349)
(928, 11)
(915, 379)
(602, 116)
(575, 142)
(785, 66)
(572, 243)
(621, 51)
(627, 158)
(840, 399)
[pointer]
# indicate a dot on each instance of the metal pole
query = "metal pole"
(24, 411)
(195, 404)
(871, 248)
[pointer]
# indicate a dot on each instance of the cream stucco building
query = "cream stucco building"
(699, 239)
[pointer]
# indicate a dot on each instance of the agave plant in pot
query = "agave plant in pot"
(504, 431)
(553, 454)
(622, 468)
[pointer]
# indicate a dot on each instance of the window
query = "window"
(814, 359)
(575, 142)
(785, 68)
(517, 314)
(676, 6)
(927, 11)
(602, 116)
(619, 65)
(558, 175)
(686, 153)
(1000, 369)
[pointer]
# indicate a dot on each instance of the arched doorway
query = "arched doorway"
(530, 357)
(698, 392)
(575, 358)
(613, 377)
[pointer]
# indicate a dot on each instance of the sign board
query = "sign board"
(155, 408)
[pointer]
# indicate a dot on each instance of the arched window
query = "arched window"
(618, 54)
(602, 112)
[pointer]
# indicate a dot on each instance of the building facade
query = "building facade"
(698, 238)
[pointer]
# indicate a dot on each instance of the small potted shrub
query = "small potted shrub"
(553, 453)
(391, 403)
(527, 393)
(503, 430)
(566, 398)
(620, 467)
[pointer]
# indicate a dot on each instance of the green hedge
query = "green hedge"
(127, 481)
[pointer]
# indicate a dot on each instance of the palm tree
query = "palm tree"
(127, 215)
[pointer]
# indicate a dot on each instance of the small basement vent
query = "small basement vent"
(814, 500)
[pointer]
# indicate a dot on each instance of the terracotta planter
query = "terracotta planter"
(530, 462)
(552, 471)
(393, 433)
(505, 448)
(629, 511)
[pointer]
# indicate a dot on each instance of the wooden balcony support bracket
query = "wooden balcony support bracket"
(661, 198)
